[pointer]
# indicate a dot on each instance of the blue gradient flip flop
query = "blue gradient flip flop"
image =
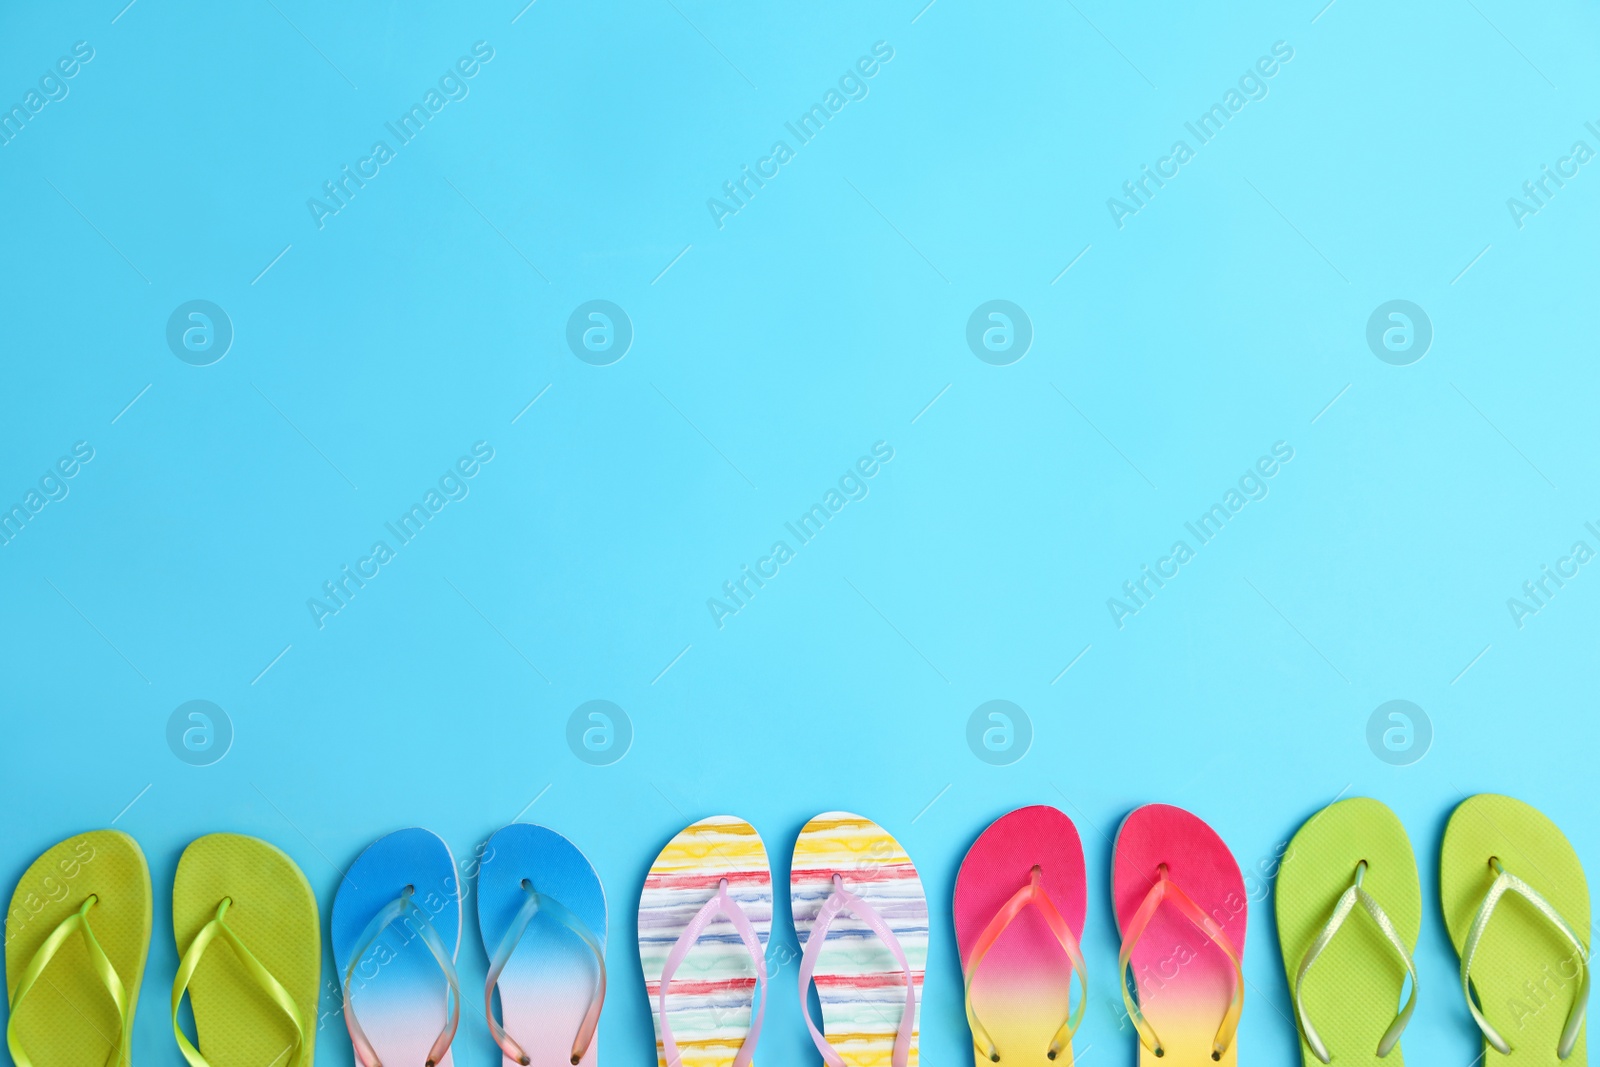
(396, 928)
(542, 914)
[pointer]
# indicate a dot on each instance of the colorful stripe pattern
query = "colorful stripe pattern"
(709, 999)
(859, 983)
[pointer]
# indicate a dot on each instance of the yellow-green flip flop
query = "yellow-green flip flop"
(1516, 904)
(245, 921)
(77, 936)
(1349, 907)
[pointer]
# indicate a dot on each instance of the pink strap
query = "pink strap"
(840, 901)
(1032, 893)
(1165, 889)
(724, 904)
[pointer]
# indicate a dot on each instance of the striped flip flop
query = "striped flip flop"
(704, 918)
(861, 918)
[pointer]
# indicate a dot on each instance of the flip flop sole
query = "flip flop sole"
(859, 982)
(1525, 973)
(548, 983)
(398, 991)
(1022, 989)
(1353, 989)
(1184, 981)
(274, 913)
(709, 1001)
(69, 1017)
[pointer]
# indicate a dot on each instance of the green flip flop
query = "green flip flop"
(1516, 904)
(245, 921)
(77, 936)
(1349, 907)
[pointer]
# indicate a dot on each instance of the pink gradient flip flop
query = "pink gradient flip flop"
(1181, 909)
(1019, 909)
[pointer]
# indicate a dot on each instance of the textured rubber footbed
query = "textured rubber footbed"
(548, 983)
(274, 913)
(1353, 991)
(398, 993)
(69, 1019)
(1184, 981)
(709, 999)
(859, 982)
(1524, 973)
(1022, 989)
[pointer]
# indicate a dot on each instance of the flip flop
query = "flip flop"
(862, 920)
(396, 928)
(1019, 961)
(704, 918)
(542, 914)
(1526, 958)
(1186, 955)
(72, 997)
(1347, 973)
(257, 1002)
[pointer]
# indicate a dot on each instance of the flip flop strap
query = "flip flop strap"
(395, 909)
(252, 966)
(538, 903)
(1032, 893)
(1503, 883)
(841, 901)
(77, 922)
(720, 904)
(1166, 889)
(1353, 894)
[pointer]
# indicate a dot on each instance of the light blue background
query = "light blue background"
(824, 317)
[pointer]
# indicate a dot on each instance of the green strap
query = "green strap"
(1341, 911)
(252, 966)
(77, 922)
(1505, 882)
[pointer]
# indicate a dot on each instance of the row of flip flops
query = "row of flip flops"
(245, 922)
